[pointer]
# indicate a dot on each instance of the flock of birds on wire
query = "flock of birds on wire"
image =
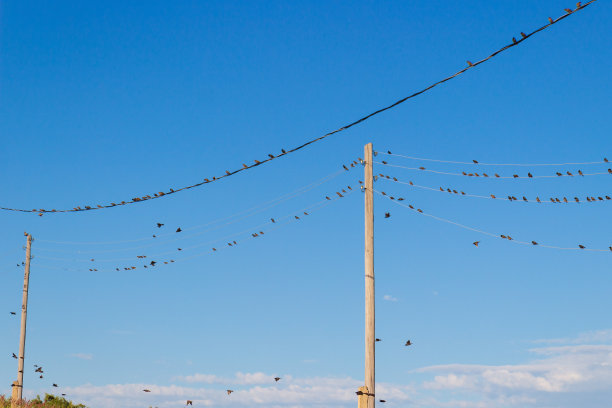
(41, 211)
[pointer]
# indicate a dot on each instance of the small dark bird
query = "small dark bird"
(514, 40)
(153, 263)
(408, 343)
(534, 243)
(145, 390)
(387, 215)
(272, 219)
(606, 160)
(470, 64)
(538, 199)
(229, 391)
(558, 174)
(550, 20)
(345, 168)
(523, 35)
(568, 11)
(525, 198)
(189, 402)
(581, 246)
(159, 225)
(580, 172)
(476, 243)
(383, 400)
(529, 175)
(277, 379)
(178, 229)
(38, 370)
(485, 174)
(14, 355)
(283, 150)
(610, 171)
(13, 313)
(40, 376)
(492, 196)
(515, 175)
(421, 168)
(55, 385)
(475, 161)
(376, 339)
(569, 173)
(180, 249)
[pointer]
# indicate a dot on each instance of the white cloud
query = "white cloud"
(390, 298)
(82, 356)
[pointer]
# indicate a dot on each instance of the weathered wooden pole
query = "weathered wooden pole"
(369, 277)
(24, 316)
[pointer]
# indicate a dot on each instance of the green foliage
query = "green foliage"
(50, 401)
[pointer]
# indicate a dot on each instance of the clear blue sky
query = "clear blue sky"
(104, 101)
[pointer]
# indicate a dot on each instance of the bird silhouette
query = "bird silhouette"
(523, 35)
(189, 402)
(383, 400)
(178, 229)
(470, 64)
(277, 379)
(387, 215)
(408, 343)
(534, 243)
(376, 339)
(55, 385)
(145, 390)
(476, 243)
(550, 20)
(14, 355)
(13, 313)
(514, 40)
(529, 175)
(568, 11)
(229, 391)
(581, 246)
(580, 172)
(159, 225)
(606, 160)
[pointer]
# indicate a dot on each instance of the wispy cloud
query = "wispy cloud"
(390, 298)
(82, 356)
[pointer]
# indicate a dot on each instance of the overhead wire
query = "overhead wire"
(470, 65)
(578, 173)
(272, 224)
(479, 163)
(399, 201)
(524, 199)
(245, 213)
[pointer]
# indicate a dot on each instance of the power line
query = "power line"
(507, 237)
(529, 175)
(284, 152)
(242, 214)
(254, 232)
(523, 199)
(479, 163)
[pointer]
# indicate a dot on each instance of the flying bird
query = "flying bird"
(534, 243)
(408, 343)
(529, 175)
(476, 243)
(159, 225)
(229, 391)
(55, 385)
(277, 379)
(14, 355)
(581, 246)
(178, 229)
(387, 215)
(145, 390)
(376, 339)
(383, 400)
(13, 313)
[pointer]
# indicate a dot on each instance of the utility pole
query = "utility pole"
(24, 316)
(369, 277)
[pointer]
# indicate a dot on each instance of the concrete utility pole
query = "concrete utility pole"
(24, 316)
(369, 277)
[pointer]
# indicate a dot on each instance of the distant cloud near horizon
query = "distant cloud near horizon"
(390, 298)
(82, 356)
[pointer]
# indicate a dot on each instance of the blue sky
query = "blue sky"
(101, 102)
